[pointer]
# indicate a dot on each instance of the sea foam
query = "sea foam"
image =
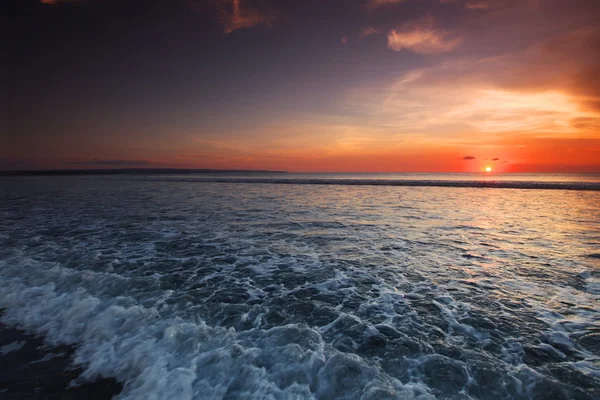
(159, 358)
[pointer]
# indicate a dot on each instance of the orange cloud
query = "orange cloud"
(467, 105)
(369, 31)
(546, 112)
(421, 38)
(236, 15)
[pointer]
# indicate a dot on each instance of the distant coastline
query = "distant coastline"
(133, 171)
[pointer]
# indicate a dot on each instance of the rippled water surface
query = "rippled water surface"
(215, 290)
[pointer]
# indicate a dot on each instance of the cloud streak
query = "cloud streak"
(370, 30)
(422, 38)
(235, 14)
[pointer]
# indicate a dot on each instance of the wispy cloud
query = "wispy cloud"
(505, 111)
(465, 97)
(370, 30)
(468, 158)
(235, 14)
(421, 37)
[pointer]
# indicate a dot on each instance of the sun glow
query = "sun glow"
(488, 169)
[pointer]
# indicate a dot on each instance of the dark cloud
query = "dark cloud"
(468, 158)
(495, 159)
(107, 162)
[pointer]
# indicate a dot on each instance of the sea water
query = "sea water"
(245, 287)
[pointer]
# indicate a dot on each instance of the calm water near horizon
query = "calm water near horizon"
(470, 180)
(182, 287)
(475, 176)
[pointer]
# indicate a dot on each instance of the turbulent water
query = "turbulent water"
(246, 290)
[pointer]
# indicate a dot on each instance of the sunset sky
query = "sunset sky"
(327, 85)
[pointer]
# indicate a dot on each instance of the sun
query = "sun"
(488, 169)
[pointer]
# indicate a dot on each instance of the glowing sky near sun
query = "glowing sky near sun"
(366, 85)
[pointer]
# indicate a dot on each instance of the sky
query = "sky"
(312, 85)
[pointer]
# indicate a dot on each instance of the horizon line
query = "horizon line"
(114, 171)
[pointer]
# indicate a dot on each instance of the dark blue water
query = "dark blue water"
(183, 288)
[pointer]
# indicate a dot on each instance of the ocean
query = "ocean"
(302, 286)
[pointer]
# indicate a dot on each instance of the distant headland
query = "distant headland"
(134, 171)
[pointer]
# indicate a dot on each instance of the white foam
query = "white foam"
(47, 357)
(158, 358)
(11, 347)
